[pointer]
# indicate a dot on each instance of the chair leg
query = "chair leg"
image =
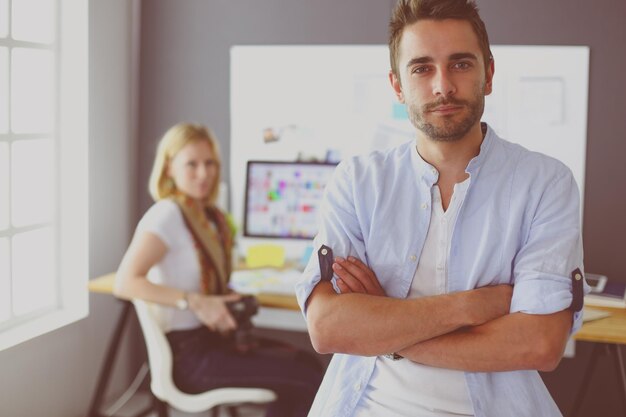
(160, 407)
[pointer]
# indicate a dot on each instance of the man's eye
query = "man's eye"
(462, 65)
(419, 70)
(192, 164)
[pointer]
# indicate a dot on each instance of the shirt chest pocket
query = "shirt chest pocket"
(482, 257)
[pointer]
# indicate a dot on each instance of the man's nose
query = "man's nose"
(443, 85)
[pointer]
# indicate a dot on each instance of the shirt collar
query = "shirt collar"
(476, 162)
(423, 169)
(429, 173)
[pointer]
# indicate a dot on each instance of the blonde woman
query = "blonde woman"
(180, 257)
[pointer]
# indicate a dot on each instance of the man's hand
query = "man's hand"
(356, 277)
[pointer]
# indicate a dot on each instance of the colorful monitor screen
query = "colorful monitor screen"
(282, 198)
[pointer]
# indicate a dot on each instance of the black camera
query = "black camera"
(242, 311)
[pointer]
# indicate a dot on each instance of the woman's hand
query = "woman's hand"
(211, 310)
(355, 276)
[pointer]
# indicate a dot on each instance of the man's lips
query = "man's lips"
(445, 109)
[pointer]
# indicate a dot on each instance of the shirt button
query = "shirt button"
(413, 258)
(439, 267)
(424, 205)
(357, 386)
(434, 171)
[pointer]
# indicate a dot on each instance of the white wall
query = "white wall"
(54, 375)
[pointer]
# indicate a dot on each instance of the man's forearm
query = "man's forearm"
(512, 342)
(369, 325)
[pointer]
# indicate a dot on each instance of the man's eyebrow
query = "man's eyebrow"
(453, 57)
(463, 55)
(419, 60)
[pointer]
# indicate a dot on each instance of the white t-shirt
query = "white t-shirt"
(407, 389)
(179, 268)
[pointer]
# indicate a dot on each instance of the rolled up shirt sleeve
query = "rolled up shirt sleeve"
(552, 251)
(339, 229)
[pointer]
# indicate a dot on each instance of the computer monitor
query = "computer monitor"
(282, 198)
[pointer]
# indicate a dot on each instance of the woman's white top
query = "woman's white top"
(180, 267)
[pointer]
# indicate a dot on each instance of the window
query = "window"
(43, 166)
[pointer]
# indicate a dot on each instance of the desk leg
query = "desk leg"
(621, 374)
(613, 350)
(595, 353)
(105, 371)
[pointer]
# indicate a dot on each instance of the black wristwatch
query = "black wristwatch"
(393, 356)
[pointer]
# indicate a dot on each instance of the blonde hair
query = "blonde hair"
(176, 138)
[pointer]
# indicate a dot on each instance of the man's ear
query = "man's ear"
(489, 77)
(397, 87)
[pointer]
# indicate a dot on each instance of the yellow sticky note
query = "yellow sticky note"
(265, 255)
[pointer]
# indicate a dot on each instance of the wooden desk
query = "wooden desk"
(104, 285)
(607, 334)
(607, 330)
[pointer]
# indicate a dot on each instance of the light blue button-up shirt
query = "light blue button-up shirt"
(519, 224)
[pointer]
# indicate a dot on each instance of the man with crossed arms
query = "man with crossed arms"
(457, 257)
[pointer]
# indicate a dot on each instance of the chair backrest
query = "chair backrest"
(162, 384)
(159, 351)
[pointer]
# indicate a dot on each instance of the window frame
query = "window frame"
(70, 136)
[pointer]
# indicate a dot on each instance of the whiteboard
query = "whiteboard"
(319, 100)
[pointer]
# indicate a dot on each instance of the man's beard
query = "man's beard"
(447, 130)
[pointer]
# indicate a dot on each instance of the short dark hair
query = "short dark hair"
(407, 12)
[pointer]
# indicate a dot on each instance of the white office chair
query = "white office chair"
(162, 384)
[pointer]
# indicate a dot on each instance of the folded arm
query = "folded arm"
(512, 342)
(508, 342)
(369, 325)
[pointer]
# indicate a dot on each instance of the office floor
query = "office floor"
(244, 411)
(141, 401)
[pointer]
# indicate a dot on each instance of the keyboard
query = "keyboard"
(265, 280)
